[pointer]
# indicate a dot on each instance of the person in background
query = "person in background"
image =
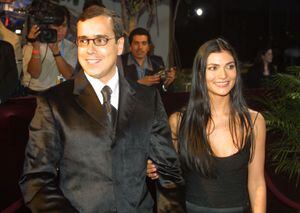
(146, 69)
(220, 141)
(46, 64)
(8, 72)
(15, 40)
(262, 69)
(88, 146)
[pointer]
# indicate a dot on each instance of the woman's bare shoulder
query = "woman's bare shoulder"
(175, 116)
(257, 118)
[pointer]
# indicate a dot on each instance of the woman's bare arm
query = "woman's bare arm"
(256, 178)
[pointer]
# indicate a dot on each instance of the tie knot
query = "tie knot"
(106, 93)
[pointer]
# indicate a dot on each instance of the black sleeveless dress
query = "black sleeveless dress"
(227, 191)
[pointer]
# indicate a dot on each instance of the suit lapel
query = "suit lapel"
(87, 99)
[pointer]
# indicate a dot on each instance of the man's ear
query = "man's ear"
(120, 44)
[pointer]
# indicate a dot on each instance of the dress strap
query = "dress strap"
(255, 118)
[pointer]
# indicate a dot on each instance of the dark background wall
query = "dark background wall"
(248, 24)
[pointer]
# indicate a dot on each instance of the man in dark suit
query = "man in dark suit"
(81, 156)
(142, 67)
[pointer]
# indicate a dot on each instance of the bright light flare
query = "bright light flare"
(199, 11)
(18, 31)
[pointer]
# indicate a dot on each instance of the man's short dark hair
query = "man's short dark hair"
(62, 11)
(95, 10)
(91, 3)
(139, 31)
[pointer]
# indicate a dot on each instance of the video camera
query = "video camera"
(43, 14)
(163, 72)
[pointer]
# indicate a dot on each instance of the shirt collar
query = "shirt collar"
(147, 64)
(113, 83)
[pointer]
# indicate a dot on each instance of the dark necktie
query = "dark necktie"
(109, 109)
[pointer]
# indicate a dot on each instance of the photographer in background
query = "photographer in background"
(48, 60)
(146, 69)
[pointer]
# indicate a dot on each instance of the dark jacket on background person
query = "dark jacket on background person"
(8, 71)
(156, 64)
(75, 161)
(255, 77)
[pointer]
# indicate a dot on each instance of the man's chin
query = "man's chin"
(93, 73)
(140, 56)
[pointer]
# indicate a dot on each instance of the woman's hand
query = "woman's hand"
(151, 170)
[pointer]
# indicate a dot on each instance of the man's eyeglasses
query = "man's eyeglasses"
(100, 41)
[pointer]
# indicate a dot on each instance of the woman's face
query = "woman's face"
(268, 56)
(220, 73)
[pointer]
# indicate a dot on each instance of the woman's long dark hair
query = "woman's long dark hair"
(259, 63)
(195, 119)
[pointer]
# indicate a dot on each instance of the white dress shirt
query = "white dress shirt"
(113, 83)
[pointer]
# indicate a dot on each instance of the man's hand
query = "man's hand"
(171, 74)
(33, 34)
(54, 48)
(149, 80)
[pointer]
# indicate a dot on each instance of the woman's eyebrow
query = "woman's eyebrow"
(212, 64)
(230, 62)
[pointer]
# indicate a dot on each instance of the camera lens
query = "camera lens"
(48, 35)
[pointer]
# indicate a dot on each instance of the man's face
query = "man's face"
(139, 46)
(98, 61)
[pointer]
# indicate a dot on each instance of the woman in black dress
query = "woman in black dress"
(220, 141)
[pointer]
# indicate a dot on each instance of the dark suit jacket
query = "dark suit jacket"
(130, 72)
(8, 71)
(75, 162)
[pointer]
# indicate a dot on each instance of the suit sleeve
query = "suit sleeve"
(39, 183)
(170, 195)
(9, 71)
